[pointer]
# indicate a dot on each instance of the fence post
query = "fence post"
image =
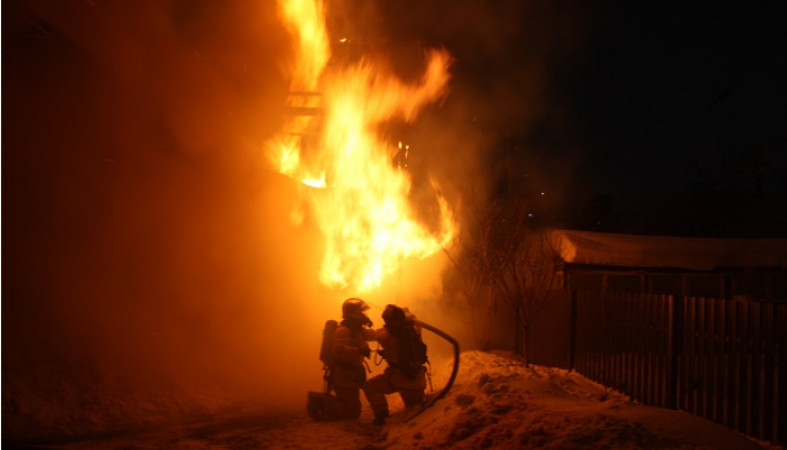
(675, 348)
(780, 312)
(572, 331)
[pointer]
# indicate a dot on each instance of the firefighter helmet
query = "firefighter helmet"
(354, 308)
(394, 316)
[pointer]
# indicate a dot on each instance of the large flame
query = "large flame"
(359, 199)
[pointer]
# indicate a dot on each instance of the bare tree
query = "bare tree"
(534, 279)
(473, 271)
(523, 267)
(515, 260)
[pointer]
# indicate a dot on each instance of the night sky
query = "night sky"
(691, 101)
(634, 117)
(672, 97)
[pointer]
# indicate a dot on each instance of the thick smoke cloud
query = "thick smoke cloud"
(150, 269)
(510, 102)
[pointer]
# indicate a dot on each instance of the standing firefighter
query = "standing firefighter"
(405, 353)
(349, 348)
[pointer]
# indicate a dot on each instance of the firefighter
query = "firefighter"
(350, 349)
(405, 354)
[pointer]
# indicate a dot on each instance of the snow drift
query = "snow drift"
(497, 402)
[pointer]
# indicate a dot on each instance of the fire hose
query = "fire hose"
(455, 370)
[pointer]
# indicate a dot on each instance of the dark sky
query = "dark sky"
(642, 91)
(672, 96)
(672, 106)
(681, 115)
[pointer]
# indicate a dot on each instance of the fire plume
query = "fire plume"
(358, 198)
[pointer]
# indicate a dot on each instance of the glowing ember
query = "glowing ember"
(330, 143)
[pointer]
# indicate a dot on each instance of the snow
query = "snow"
(496, 402)
(587, 247)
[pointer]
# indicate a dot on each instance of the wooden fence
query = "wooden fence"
(724, 360)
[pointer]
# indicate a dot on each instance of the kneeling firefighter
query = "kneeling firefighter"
(349, 348)
(405, 354)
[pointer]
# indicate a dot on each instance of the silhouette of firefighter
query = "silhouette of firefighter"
(405, 355)
(350, 348)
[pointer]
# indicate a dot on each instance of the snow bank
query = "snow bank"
(497, 402)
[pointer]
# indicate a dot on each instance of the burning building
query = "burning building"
(152, 266)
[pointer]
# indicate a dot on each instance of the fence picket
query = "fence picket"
(768, 403)
(722, 359)
(692, 380)
(781, 369)
(703, 371)
(713, 360)
(755, 325)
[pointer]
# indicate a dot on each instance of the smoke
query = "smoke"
(512, 105)
(509, 110)
(150, 269)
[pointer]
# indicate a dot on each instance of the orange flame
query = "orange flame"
(361, 201)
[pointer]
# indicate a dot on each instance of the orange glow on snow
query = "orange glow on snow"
(357, 197)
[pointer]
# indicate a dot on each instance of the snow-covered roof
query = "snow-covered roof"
(625, 250)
